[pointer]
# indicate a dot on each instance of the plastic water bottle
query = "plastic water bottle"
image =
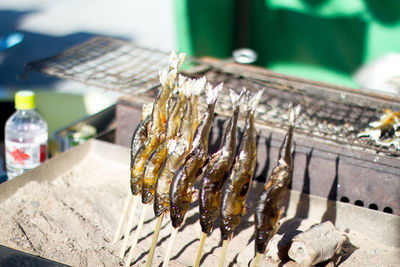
(25, 136)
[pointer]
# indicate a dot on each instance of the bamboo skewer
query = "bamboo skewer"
(127, 205)
(200, 249)
(137, 235)
(155, 239)
(257, 260)
(129, 225)
(169, 248)
(223, 252)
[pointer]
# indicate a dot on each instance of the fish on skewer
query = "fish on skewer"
(182, 186)
(142, 130)
(235, 190)
(155, 136)
(159, 115)
(267, 212)
(158, 156)
(175, 151)
(215, 174)
(139, 137)
(217, 170)
(178, 148)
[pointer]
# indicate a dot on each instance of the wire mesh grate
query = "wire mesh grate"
(108, 63)
(121, 66)
(334, 117)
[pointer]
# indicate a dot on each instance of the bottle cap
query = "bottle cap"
(25, 100)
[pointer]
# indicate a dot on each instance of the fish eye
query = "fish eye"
(244, 189)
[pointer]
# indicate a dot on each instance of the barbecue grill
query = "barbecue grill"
(330, 160)
(331, 163)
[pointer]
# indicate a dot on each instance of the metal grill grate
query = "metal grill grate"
(327, 113)
(333, 116)
(108, 63)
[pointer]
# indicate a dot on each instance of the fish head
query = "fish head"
(262, 238)
(207, 218)
(159, 206)
(135, 187)
(147, 195)
(228, 224)
(178, 211)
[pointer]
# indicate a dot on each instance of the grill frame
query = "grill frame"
(325, 164)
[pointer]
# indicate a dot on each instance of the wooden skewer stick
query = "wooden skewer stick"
(137, 235)
(257, 260)
(223, 252)
(154, 241)
(127, 205)
(169, 248)
(200, 249)
(129, 225)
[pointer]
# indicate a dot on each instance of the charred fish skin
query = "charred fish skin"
(217, 171)
(160, 110)
(235, 190)
(158, 156)
(176, 153)
(136, 184)
(141, 156)
(158, 122)
(267, 212)
(190, 122)
(138, 139)
(178, 147)
(181, 189)
(141, 132)
(150, 172)
(137, 145)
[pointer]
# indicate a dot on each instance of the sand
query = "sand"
(72, 219)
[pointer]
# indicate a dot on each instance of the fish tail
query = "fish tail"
(286, 149)
(198, 85)
(253, 101)
(163, 77)
(181, 84)
(236, 98)
(293, 114)
(146, 110)
(213, 93)
(175, 60)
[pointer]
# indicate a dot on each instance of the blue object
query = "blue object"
(11, 40)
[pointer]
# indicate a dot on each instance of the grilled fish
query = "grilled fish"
(177, 148)
(235, 190)
(159, 114)
(141, 134)
(267, 213)
(181, 189)
(142, 130)
(158, 156)
(217, 170)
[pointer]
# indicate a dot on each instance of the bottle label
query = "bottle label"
(25, 155)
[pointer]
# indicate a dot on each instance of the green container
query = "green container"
(205, 28)
(326, 40)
